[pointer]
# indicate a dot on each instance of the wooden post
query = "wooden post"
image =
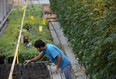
(18, 2)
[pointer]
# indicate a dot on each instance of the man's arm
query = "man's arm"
(59, 58)
(34, 59)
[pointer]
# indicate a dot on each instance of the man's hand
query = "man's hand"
(55, 71)
(27, 61)
(34, 59)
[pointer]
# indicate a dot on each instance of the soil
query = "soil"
(2, 59)
(29, 71)
(10, 60)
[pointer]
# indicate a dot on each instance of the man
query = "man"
(54, 54)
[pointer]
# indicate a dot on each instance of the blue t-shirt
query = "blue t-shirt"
(52, 52)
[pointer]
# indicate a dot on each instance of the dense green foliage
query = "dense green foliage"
(9, 38)
(90, 26)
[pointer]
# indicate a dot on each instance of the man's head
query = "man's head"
(40, 45)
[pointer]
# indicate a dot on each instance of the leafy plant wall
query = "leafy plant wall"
(90, 26)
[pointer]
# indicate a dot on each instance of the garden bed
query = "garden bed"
(32, 22)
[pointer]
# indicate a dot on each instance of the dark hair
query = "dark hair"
(39, 43)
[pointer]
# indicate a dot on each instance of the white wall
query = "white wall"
(1, 10)
(5, 6)
(44, 1)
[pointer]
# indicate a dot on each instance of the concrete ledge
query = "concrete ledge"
(59, 75)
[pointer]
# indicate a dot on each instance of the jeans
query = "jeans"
(67, 72)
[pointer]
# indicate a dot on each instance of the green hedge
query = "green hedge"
(90, 26)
